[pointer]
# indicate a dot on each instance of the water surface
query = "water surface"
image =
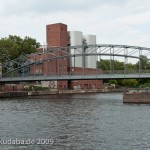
(75, 122)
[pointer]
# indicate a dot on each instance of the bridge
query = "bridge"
(19, 70)
(74, 77)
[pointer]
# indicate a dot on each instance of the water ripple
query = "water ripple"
(76, 122)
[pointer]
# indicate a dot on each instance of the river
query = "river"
(74, 122)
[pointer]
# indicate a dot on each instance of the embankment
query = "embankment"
(36, 93)
(13, 94)
(136, 97)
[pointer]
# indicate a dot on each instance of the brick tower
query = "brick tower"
(57, 36)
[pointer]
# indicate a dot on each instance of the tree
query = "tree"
(13, 46)
(144, 63)
(113, 82)
(104, 64)
(131, 66)
(130, 82)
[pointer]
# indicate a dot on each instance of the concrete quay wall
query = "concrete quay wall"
(36, 93)
(143, 97)
(61, 92)
(13, 94)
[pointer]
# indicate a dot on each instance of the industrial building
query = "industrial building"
(77, 38)
(57, 35)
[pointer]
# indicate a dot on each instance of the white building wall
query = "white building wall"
(90, 61)
(76, 39)
(50, 84)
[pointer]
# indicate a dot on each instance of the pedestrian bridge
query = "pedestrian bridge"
(19, 70)
(75, 77)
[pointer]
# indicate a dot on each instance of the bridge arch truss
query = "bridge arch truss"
(20, 67)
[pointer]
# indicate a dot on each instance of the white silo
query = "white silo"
(75, 38)
(91, 60)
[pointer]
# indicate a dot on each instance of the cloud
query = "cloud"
(115, 22)
(45, 6)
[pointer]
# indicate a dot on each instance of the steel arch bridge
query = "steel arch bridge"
(18, 70)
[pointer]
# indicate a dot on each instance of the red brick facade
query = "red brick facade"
(43, 67)
(12, 87)
(86, 84)
(57, 36)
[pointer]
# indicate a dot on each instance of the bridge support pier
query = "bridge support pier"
(69, 85)
(1, 86)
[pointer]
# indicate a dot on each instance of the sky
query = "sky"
(124, 22)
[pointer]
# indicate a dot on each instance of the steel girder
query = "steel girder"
(100, 50)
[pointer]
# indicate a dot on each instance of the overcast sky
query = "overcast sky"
(112, 21)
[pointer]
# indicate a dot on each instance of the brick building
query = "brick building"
(58, 36)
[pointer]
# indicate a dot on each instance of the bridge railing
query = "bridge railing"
(71, 73)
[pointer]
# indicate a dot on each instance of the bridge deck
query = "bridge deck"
(74, 77)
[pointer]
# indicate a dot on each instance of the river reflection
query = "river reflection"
(75, 122)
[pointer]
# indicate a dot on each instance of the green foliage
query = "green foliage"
(143, 81)
(13, 46)
(113, 82)
(145, 85)
(130, 82)
(117, 65)
(40, 88)
(144, 63)
(36, 88)
(114, 64)
(130, 66)
(104, 64)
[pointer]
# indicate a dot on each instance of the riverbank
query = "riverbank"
(12, 94)
(136, 97)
